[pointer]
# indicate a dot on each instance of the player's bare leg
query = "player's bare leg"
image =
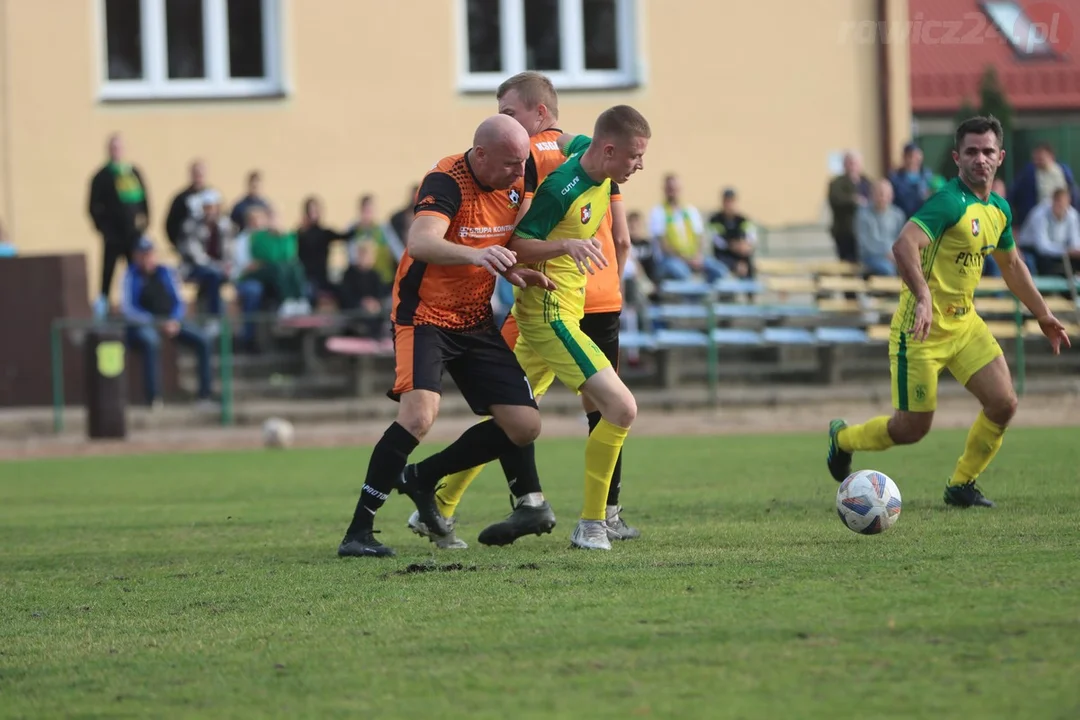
(618, 409)
(881, 433)
(993, 387)
(416, 415)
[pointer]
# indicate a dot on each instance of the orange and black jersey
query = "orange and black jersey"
(455, 297)
(544, 156)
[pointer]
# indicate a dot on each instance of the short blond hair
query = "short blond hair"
(534, 89)
(622, 122)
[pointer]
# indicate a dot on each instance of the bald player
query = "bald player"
(531, 99)
(442, 318)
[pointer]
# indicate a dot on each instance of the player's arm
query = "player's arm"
(440, 201)
(1014, 272)
(937, 214)
(530, 243)
(570, 144)
(620, 229)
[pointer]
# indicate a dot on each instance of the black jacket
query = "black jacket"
(112, 218)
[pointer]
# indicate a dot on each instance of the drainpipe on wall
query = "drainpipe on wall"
(884, 88)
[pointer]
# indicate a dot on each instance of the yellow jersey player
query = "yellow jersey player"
(569, 207)
(940, 256)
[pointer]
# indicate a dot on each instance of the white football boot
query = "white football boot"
(590, 535)
(617, 529)
(450, 542)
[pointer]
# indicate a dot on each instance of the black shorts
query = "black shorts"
(603, 329)
(481, 364)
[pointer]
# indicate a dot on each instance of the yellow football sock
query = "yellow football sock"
(983, 442)
(601, 453)
(449, 491)
(872, 435)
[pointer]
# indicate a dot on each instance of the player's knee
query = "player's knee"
(1002, 410)
(624, 412)
(522, 425)
(417, 418)
(906, 431)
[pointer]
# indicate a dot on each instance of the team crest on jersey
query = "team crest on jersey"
(975, 227)
(515, 198)
(586, 214)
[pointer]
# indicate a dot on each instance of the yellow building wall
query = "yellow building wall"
(754, 95)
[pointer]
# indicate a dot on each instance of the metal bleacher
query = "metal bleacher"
(804, 317)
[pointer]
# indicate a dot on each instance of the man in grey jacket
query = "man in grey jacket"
(877, 226)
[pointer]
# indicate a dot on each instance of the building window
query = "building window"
(579, 44)
(164, 49)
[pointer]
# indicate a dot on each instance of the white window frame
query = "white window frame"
(573, 76)
(156, 84)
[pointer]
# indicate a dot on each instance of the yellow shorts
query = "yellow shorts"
(557, 350)
(915, 366)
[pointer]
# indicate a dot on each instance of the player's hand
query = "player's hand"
(524, 277)
(495, 259)
(586, 254)
(1054, 332)
(924, 317)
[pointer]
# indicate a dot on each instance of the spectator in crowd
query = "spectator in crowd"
(152, 305)
(1052, 231)
(242, 267)
(680, 233)
(367, 229)
(276, 266)
(734, 236)
(1037, 181)
(847, 193)
(253, 198)
(313, 241)
(644, 248)
(7, 248)
(877, 226)
(911, 182)
(402, 219)
(187, 205)
(363, 288)
(120, 211)
(204, 245)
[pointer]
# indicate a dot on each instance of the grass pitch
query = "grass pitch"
(208, 586)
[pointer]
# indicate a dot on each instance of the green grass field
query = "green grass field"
(208, 586)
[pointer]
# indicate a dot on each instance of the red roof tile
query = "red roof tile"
(952, 42)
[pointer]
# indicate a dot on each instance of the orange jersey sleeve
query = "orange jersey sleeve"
(455, 297)
(544, 157)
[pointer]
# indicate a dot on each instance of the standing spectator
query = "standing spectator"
(253, 198)
(368, 229)
(734, 236)
(120, 211)
(680, 233)
(187, 205)
(152, 305)
(847, 193)
(7, 248)
(1037, 182)
(276, 265)
(911, 182)
(1053, 231)
(877, 226)
(313, 241)
(204, 246)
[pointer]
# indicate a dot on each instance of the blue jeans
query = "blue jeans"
(250, 295)
(147, 339)
(879, 266)
(675, 268)
(209, 280)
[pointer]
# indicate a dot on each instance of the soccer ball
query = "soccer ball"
(277, 433)
(868, 502)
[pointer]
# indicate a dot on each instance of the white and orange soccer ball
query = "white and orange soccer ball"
(868, 502)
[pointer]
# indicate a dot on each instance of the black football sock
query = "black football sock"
(478, 445)
(519, 466)
(616, 477)
(387, 461)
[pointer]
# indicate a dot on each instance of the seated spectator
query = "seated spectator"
(877, 226)
(363, 288)
(152, 305)
(204, 246)
(734, 237)
(7, 249)
(678, 230)
(911, 181)
(313, 241)
(252, 199)
(1052, 230)
(249, 290)
(990, 266)
(367, 229)
(276, 266)
(643, 248)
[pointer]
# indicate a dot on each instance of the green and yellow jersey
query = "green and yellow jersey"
(963, 230)
(569, 205)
